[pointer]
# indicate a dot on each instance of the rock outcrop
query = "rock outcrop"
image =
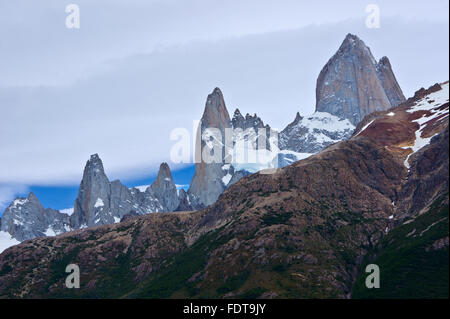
(25, 219)
(313, 133)
(243, 144)
(93, 203)
(130, 215)
(389, 82)
(352, 84)
(165, 190)
(207, 184)
(253, 129)
(100, 202)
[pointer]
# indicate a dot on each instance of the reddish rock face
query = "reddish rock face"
(352, 84)
(402, 130)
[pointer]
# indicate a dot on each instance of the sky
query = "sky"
(135, 70)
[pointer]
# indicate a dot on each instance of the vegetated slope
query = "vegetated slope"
(112, 258)
(413, 258)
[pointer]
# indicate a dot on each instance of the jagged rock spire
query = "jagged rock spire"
(389, 82)
(216, 113)
(26, 218)
(164, 188)
(93, 195)
(238, 119)
(352, 84)
(207, 185)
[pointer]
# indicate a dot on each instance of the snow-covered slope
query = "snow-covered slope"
(313, 133)
(6, 241)
(430, 106)
(412, 125)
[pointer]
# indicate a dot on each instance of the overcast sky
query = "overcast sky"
(135, 70)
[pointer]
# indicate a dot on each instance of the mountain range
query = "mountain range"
(254, 146)
(304, 231)
(289, 214)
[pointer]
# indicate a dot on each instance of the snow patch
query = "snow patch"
(67, 211)
(17, 222)
(365, 127)
(437, 98)
(19, 202)
(326, 121)
(142, 188)
(7, 241)
(226, 179)
(49, 232)
(99, 203)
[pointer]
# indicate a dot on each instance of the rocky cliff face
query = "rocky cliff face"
(244, 147)
(93, 195)
(165, 190)
(207, 184)
(99, 202)
(253, 125)
(25, 219)
(352, 84)
(389, 82)
(313, 133)
(302, 232)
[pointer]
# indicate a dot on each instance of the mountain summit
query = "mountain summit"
(352, 84)
(25, 219)
(93, 194)
(165, 189)
(207, 185)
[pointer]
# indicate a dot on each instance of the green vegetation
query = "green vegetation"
(253, 293)
(273, 218)
(409, 265)
(5, 270)
(233, 283)
(182, 267)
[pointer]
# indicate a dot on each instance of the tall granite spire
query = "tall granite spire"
(93, 195)
(207, 184)
(352, 84)
(165, 190)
